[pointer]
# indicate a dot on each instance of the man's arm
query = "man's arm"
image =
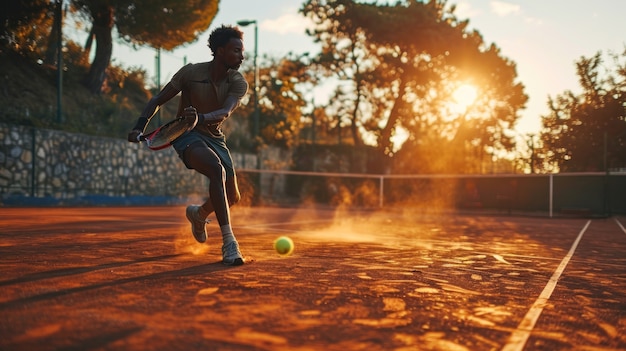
(217, 116)
(165, 95)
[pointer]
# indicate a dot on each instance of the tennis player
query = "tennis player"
(214, 89)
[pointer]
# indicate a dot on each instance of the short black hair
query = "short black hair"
(222, 35)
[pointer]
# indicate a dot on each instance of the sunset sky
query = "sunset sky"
(544, 38)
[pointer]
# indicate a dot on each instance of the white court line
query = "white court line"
(520, 336)
(620, 225)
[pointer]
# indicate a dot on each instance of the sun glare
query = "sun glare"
(465, 95)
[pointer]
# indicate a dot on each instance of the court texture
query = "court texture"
(133, 278)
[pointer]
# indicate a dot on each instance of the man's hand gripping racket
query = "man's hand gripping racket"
(166, 134)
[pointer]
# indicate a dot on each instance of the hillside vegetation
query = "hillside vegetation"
(29, 97)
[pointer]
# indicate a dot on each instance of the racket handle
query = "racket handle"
(140, 137)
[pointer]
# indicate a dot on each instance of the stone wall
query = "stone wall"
(40, 163)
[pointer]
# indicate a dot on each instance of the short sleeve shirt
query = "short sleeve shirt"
(198, 90)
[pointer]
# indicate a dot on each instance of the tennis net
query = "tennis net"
(546, 194)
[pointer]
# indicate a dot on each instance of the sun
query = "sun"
(465, 95)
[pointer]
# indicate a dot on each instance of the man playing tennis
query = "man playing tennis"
(214, 89)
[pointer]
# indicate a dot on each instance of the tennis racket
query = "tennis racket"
(165, 135)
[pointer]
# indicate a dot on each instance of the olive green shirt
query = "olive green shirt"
(199, 91)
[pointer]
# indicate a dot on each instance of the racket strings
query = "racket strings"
(170, 132)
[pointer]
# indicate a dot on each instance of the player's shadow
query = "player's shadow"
(80, 270)
(102, 340)
(199, 270)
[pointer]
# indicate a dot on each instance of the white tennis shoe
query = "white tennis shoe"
(231, 256)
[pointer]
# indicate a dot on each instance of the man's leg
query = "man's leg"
(232, 194)
(205, 161)
(198, 214)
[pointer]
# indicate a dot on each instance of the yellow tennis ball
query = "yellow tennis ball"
(283, 245)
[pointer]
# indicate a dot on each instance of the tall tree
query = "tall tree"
(406, 61)
(344, 54)
(163, 24)
(587, 132)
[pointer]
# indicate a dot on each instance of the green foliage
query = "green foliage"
(162, 24)
(587, 132)
(29, 96)
(25, 25)
(280, 105)
(282, 102)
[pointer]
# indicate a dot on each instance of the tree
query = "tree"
(280, 101)
(163, 24)
(23, 24)
(280, 104)
(587, 132)
(344, 54)
(405, 62)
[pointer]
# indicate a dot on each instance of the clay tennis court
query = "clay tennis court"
(132, 278)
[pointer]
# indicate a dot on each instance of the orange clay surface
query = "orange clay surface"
(133, 278)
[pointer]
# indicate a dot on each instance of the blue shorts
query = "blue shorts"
(215, 143)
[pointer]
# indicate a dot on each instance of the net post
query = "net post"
(381, 181)
(551, 195)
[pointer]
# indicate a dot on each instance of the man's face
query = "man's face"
(232, 54)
